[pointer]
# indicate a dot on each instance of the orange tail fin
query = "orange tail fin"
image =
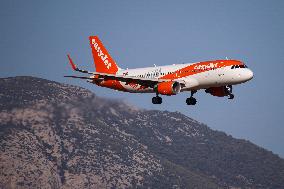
(102, 59)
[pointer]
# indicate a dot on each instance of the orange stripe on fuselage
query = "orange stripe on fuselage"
(112, 84)
(201, 67)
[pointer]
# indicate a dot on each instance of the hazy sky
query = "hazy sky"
(36, 35)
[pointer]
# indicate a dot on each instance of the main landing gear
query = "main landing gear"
(157, 100)
(191, 100)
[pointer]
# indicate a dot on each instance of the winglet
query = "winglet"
(74, 67)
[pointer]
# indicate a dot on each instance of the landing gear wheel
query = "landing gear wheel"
(160, 100)
(191, 101)
(157, 100)
(231, 96)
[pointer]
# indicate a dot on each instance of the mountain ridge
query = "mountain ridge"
(63, 136)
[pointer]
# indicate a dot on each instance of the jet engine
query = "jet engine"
(168, 88)
(218, 91)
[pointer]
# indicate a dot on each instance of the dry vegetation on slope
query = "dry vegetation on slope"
(60, 136)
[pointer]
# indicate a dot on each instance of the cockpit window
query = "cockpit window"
(238, 66)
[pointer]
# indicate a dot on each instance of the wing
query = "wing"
(106, 76)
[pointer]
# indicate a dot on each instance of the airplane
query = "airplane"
(216, 77)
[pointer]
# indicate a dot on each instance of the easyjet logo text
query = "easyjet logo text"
(103, 56)
(206, 66)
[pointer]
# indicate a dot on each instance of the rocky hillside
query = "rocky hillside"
(55, 135)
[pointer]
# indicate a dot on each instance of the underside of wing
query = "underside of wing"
(129, 79)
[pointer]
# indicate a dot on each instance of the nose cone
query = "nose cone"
(248, 75)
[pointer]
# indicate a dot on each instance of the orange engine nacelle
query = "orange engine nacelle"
(168, 88)
(217, 91)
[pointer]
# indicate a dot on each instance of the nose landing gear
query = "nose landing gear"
(191, 100)
(229, 89)
(231, 96)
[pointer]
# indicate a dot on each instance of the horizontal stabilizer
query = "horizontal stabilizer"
(78, 77)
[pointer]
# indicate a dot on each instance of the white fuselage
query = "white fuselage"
(210, 78)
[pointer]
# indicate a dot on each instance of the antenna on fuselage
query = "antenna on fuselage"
(155, 65)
